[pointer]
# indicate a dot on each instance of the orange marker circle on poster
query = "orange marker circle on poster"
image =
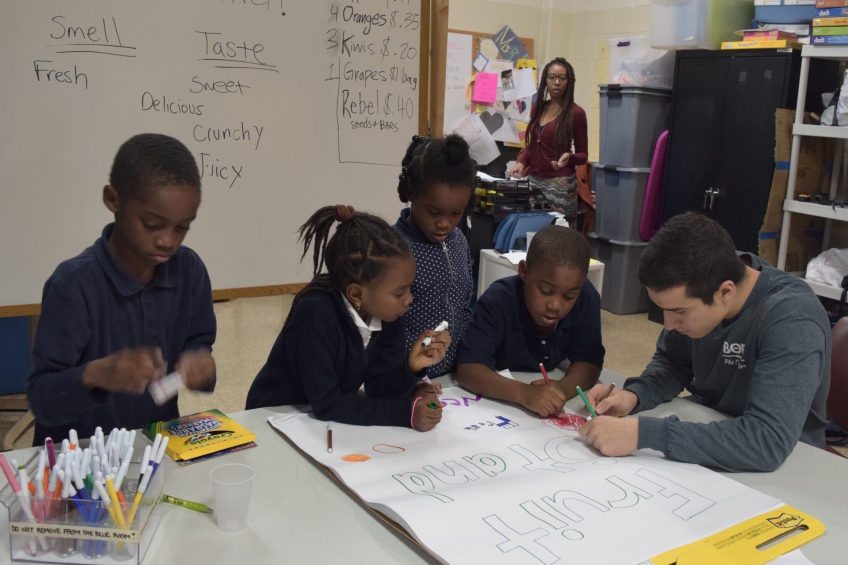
(355, 458)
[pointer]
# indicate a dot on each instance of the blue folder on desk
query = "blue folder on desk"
(517, 225)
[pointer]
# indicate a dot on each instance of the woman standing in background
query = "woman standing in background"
(556, 142)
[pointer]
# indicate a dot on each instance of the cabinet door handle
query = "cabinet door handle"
(710, 196)
(714, 197)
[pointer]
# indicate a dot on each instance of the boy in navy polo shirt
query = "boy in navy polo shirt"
(546, 314)
(129, 309)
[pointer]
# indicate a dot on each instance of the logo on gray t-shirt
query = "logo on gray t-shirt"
(733, 354)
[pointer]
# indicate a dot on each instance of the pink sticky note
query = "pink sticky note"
(486, 88)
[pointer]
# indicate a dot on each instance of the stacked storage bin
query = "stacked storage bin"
(631, 120)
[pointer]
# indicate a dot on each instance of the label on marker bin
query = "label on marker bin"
(77, 532)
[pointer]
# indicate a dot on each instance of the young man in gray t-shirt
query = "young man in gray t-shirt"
(744, 338)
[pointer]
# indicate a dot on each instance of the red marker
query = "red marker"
(545, 374)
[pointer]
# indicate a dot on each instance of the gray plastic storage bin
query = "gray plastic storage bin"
(623, 293)
(618, 204)
(632, 118)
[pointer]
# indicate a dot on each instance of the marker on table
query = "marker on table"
(145, 460)
(440, 328)
(160, 455)
(187, 504)
(426, 379)
(329, 439)
(51, 452)
(544, 374)
(142, 488)
(586, 402)
(154, 451)
(23, 499)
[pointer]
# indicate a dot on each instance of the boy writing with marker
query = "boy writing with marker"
(744, 338)
(130, 308)
(546, 314)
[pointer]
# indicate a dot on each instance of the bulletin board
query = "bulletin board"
(440, 72)
(286, 105)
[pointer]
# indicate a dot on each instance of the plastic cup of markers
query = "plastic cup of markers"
(232, 484)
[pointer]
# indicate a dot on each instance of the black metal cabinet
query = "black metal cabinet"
(722, 135)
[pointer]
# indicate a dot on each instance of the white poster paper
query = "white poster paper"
(519, 110)
(500, 125)
(520, 84)
(482, 146)
(457, 75)
(492, 484)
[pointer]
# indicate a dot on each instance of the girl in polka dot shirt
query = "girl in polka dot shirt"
(437, 180)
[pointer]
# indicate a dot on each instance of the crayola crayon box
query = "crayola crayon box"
(204, 434)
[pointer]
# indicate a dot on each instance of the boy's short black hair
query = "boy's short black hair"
(559, 246)
(152, 160)
(694, 251)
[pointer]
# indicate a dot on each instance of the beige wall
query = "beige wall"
(575, 29)
(485, 16)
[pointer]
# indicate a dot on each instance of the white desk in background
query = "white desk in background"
(299, 514)
(494, 266)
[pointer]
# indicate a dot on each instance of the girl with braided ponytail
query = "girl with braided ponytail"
(437, 179)
(556, 142)
(347, 327)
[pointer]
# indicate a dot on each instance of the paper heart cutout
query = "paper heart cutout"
(493, 122)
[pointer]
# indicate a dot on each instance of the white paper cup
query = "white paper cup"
(232, 484)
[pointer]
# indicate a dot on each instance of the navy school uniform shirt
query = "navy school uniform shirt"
(90, 308)
(442, 289)
(502, 334)
(319, 359)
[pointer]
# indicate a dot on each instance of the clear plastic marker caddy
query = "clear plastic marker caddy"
(84, 531)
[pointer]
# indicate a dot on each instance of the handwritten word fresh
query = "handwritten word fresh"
(52, 75)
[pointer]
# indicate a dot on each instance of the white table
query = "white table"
(299, 514)
(494, 266)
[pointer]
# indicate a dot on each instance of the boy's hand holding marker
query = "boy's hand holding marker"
(430, 348)
(609, 402)
(609, 433)
(543, 397)
(426, 412)
(129, 370)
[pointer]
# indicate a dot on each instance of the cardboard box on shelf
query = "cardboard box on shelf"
(814, 160)
(814, 167)
(805, 242)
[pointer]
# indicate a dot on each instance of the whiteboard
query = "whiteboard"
(287, 105)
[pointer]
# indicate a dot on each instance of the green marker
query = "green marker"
(433, 405)
(187, 504)
(586, 402)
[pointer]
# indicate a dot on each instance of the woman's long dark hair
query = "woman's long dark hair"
(564, 135)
